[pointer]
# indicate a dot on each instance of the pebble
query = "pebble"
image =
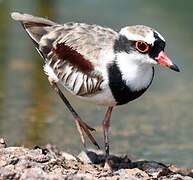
(2, 143)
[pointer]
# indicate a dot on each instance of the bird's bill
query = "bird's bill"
(164, 60)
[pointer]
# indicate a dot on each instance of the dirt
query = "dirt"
(50, 163)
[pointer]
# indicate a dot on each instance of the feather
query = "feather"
(71, 51)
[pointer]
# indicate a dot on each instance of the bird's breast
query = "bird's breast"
(125, 89)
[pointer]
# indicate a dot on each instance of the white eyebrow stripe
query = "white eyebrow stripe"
(149, 38)
(160, 36)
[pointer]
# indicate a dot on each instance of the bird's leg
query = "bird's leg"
(106, 125)
(81, 125)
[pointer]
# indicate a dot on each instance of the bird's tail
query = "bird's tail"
(36, 27)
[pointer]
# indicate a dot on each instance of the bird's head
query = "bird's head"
(144, 45)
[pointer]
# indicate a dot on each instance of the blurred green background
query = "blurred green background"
(157, 126)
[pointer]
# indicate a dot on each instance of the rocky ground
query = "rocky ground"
(50, 163)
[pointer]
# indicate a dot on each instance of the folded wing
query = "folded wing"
(71, 51)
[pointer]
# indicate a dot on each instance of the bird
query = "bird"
(96, 64)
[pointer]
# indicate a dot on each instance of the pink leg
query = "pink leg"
(106, 125)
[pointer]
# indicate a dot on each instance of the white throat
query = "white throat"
(136, 74)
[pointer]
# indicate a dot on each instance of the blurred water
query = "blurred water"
(157, 126)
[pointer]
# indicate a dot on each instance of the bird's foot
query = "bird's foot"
(83, 127)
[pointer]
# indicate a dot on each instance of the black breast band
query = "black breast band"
(121, 92)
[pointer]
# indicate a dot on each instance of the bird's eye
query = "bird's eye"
(142, 46)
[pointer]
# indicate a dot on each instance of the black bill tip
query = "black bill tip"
(175, 68)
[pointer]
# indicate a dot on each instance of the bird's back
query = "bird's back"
(72, 51)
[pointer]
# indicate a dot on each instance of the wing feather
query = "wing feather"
(71, 50)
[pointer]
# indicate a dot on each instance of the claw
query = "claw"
(87, 126)
(83, 126)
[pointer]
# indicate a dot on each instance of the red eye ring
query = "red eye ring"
(142, 46)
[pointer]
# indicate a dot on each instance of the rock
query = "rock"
(182, 171)
(68, 156)
(2, 163)
(8, 172)
(98, 157)
(33, 173)
(2, 143)
(152, 168)
(131, 174)
(50, 163)
(178, 177)
(92, 156)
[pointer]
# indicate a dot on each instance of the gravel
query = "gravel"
(49, 163)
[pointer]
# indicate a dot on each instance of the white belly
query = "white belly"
(104, 97)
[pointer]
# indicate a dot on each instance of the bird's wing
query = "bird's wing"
(71, 50)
